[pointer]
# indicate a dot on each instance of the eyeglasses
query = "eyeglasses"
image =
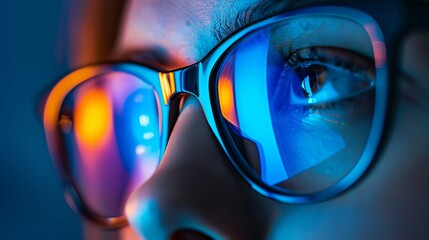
(298, 103)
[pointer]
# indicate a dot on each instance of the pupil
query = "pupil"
(313, 80)
(309, 84)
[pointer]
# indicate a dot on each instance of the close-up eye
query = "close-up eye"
(329, 74)
(298, 108)
(326, 79)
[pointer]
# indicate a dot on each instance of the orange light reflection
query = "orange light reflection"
(226, 99)
(168, 85)
(92, 117)
(377, 44)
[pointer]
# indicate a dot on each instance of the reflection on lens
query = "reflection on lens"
(298, 101)
(110, 125)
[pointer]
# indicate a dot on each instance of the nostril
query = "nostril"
(188, 234)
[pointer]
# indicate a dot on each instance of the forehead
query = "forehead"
(187, 27)
(174, 33)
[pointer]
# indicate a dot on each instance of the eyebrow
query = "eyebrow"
(225, 26)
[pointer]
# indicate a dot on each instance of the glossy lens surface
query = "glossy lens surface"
(298, 99)
(110, 126)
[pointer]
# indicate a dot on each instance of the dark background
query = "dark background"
(32, 205)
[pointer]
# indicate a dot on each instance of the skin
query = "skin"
(196, 192)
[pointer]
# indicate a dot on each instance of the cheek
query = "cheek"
(410, 138)
(397, 185)
(399, 180)
(407, 156)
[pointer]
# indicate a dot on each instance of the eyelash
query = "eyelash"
(294, 59)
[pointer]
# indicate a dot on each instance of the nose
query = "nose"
(196, 193)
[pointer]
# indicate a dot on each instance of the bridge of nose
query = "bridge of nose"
(196, 187)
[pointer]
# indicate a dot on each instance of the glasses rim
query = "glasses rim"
(199, 83)
(378, 121)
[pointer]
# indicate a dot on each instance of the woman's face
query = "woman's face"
(196, 187)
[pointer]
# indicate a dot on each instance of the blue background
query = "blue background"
(32, 205)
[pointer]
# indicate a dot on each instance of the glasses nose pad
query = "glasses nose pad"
(175, 108)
